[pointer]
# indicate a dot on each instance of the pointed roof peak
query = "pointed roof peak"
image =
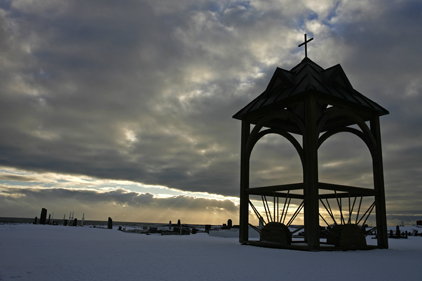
(307, 62)
(286, 86)
(306, 59)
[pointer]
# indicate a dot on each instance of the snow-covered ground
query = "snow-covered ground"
(44, 252)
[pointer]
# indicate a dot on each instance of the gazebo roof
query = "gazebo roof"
(288, 88)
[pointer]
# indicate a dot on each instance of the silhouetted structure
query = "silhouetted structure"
(43, 217)
(110, 223)
(207, 228)
(398, 234)
(314, 104)
(229, 223)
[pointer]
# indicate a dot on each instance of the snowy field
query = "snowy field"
(44, 252)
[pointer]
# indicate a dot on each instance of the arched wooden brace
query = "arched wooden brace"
(269, 117)
(356, 132)
(280, 132)
(333, 112)
(256, 133)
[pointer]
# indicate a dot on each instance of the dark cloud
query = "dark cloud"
(7, 177)
(384, 65)
(145, 91)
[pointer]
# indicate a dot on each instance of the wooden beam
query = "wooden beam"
(244, 185)
(341, 195)
(310, 147)
(284, 187)
(378, 174)
(351, 189)
(251, 191)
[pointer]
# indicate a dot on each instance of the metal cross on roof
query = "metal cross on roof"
(306, 47)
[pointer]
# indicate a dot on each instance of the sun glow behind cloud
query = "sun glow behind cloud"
(16, 184)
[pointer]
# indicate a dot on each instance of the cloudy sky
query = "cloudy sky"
(124, 108)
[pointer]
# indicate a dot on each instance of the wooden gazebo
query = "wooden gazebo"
(314, 103)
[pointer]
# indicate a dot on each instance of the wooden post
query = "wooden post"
(381, 218)
(311, 207)
(244, 185)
